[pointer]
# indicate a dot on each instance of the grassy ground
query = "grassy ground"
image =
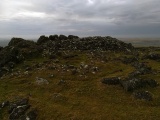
(82, 96)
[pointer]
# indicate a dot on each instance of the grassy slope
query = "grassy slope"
(84, 98)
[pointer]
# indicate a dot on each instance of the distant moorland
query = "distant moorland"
(137, 42)
(142, 42)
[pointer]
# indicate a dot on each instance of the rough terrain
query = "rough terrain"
(70, 78)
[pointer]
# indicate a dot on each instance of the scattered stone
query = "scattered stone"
(145, 95)
(111, 81)
(41, 81)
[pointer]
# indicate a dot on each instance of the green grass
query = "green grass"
(86, 98)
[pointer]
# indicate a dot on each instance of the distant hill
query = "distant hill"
(142, 42)
(4, 42)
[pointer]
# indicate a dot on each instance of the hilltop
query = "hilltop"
(70, 78)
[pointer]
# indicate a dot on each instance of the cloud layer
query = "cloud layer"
(132, 18)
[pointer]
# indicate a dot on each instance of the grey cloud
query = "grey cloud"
(100, 17)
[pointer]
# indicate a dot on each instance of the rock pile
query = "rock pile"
(19, 49)
(18, 110)
(88, 43)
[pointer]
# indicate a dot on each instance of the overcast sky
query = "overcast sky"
(122, 18)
